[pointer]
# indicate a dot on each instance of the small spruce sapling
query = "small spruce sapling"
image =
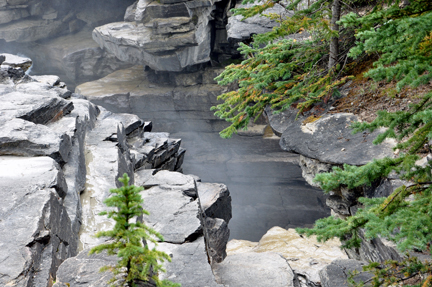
(136, 260)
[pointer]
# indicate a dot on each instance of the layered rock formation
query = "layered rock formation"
(164, 35)
(57, 35)
(56, 146)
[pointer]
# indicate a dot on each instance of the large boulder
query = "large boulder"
(167, 35)
(173, 213)
(330, 140)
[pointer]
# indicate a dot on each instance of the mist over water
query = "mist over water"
(265, 183)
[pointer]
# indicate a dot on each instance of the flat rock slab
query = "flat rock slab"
(35, 230)
(330, 140)
(336, 274)
(254, 269)
(38, 107)
(24, 138)
(136, 44)
(16, 61)
(172, 214)
(189, 264)
(215, 200)
(172, 181)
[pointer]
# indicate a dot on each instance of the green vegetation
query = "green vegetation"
(129, 239)
(284, 73)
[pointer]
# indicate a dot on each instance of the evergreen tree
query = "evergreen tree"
(280, 71)
(129, 238)
(401, 35)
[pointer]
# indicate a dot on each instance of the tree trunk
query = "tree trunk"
(334, 42)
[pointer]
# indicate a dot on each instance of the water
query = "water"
(266, 185)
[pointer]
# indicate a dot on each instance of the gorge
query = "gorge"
(143, 92)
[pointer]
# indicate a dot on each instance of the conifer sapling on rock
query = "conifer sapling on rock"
(137, 262)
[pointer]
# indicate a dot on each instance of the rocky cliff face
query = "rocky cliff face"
(56, 147)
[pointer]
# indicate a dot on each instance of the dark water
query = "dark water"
(265, 182)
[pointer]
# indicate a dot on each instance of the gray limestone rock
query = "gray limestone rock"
(83, 270)
(189, 264)
(16, 61)
(375, 250)
(31, 30)
(239, 29)
(172, 213)
(162, 53)
(175, 181)
(123, 92)
(77, 56)
(39, 108)
(254, 269)
(217, 234)
(338, 205)
(336, 274)
(311, 167)
(215, 200)
(23, 138)
(330, 140)
(35, 229)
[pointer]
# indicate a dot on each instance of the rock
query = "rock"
(103, 168)
(306, 256)
(179, 50)
(2, 59)
(279, 121)
(215, 200)
(172, 181)
(339, 205)
(239, 29)
(76, 56)
(130, 12)
(16, 61)
(31, 30)
(39, 108)
(23, 138)
(189, 264)
(83, 270)
(311, 167)
(216, 233)
(374, 250)
(336, 273)
(35, 229)
(254, 269)
(167, 35)
(324, 139)
(172, 213)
